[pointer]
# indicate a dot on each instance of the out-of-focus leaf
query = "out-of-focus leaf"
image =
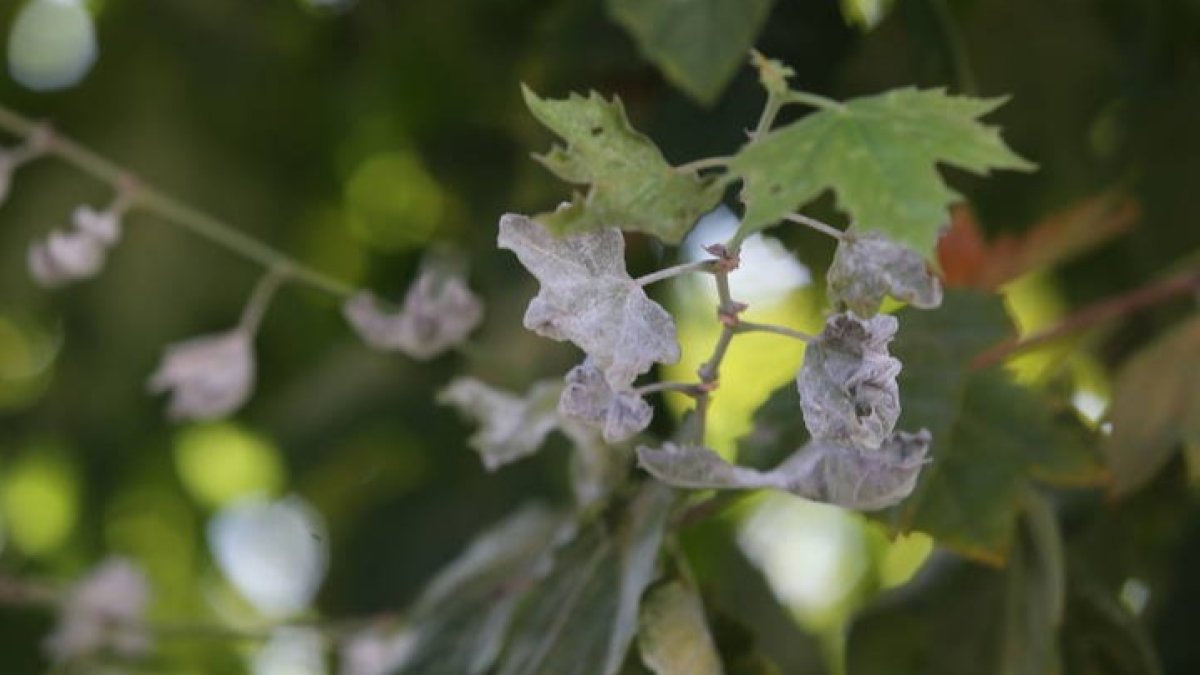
(673, 634)
(974, 619)
(1156, 407)
(52, 44)
(990, 436)
(1101, 637)
(897, 192)
(589, 298)
(510, 427)
(582, 618)
(1035, 593)
(776, 432)
(967, 260)
(462, 618)
(630, 185)
(699, 44)
(866, 14)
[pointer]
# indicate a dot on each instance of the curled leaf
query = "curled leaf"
(439, 312)
(869, 266)
(78, 253)
(824, 471)
(588, 298)
(847, 385)
(102, 612)
(510, 427)
(618, 415)
(65, 257)
(208, 376)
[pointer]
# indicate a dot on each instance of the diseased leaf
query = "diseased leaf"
(439, 312)
(510, 427)
(582, 618)
(847, 384)
(698, 45)
(460, 622)
(1156, 407)
(673, 634)
(851, 477)
(618, 415)
(588, 298)
(879, 155)
(991, 436)
(868, 267)
(630, 185)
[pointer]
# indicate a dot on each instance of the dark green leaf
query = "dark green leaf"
(464, 614)
(1156, 407)
(630, 185)
(581, 619)
(879, 154)
(990, 436)
(699, 44)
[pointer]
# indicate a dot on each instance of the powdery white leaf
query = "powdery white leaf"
(847, 385)
(673, 635)
(65, 257)
(618, 415)
(103, 226)
(848, 476)
(595, 468)
(588, 298)
(439, 312)
(209, 376)
(376, 651)
(870, 480)
(275, 553)
(103, 612)
(868, 266)
(510, 427)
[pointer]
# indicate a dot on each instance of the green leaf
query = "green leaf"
(1100, 636)
(866, 14)
(699, 44)
(631, 185)
(463, 616)
(1156, 407)
(990, 436)
(673, 634)
(879, 155)
(1035, 582)
(581, 619)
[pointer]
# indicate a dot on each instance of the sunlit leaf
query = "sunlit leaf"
(673, 635)
(1156, 406)
(879, 155)
(582, 618)
(630, 185)
(698, 45)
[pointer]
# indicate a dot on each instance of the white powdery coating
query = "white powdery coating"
(587, 397)
(103, 226)
(374, 651)
(439, 312)
(103, 612)
(869, 266)
(510, 427)
(64, 257)
(588, 298)
(209, 376)
(848, 389)
(846, 476)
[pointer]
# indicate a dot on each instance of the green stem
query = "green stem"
(749, 327)
(677, 270)
(817, 225)
(152, 200)
(964, 74)
(814, 100)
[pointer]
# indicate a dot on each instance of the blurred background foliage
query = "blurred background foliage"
(356, 134)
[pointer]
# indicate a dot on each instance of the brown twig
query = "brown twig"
(1094, 314)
